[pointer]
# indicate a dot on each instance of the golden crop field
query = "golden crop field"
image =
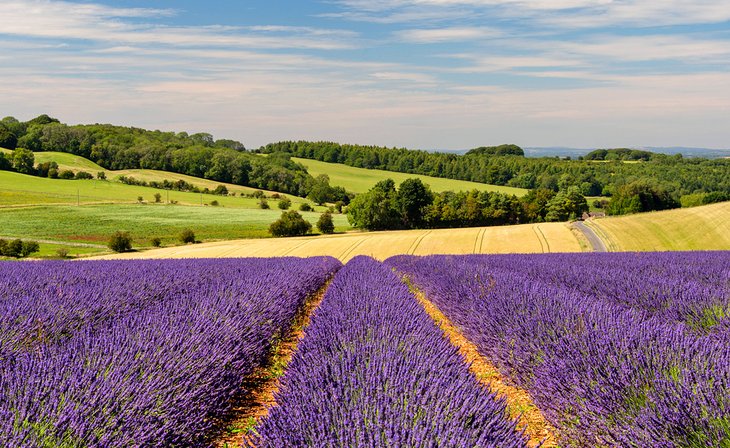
(527, 238)
(696, 228)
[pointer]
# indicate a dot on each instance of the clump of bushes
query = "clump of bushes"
(221, 190)
(18, 248)
(291, 223)
(187, 236)
(83, 175)
(284, 203)
(305, 207)
(66, 174)
(325, 224)
(120, 242)
(62, 252)
(264, 204)
(156, 242)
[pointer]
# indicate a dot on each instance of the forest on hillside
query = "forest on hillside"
(600, 173)
(631, 180)
(119, 148)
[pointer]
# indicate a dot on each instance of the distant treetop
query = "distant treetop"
(501, 150)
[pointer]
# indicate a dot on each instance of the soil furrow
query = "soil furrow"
(262, 385)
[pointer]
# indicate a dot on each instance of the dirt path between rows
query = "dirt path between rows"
(261, 386)
(519, 403)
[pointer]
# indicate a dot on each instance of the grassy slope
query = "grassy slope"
(697, 228)
(360, 180)
(528, 238)
(75, 163)
(18, 189)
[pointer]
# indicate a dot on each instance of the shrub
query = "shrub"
(158, 198)
(214, 203)
(263, 204)
(120, 242)
(66, 174)
(101, 175)
(140, 199)
(29, 247)
(291, 223)
(23, 161)
(305, 207)
(42, 169)
(53, 173)
(325, 224)
(11, 248)
(258, 194)
(18, 248)
(83, 175)
(62, 252)
(221, 190)
(284, 203)
(187, 236)
(156, 242)
(275, 196)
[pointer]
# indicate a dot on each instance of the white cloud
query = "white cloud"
(65, 20)
(451, 34)
(562, 13)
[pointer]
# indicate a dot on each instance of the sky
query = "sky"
(430, 74)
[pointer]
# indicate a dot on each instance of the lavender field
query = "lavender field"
(629, 350)
(144, 353)
(375, 371)
(615, 350)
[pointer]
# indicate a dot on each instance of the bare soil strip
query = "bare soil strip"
(519, 403)
(261, 386)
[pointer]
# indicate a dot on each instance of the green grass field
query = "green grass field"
(75, 163)
(96, 223)
(18, 189)
(360, 180)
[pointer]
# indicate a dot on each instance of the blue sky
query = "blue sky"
(436, 74)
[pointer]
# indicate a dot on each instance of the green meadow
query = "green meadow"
(95, 223)
(360, 180)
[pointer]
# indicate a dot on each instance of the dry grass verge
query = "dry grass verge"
(519, 402)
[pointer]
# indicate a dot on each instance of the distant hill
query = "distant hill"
(574, 153)
(558, 151)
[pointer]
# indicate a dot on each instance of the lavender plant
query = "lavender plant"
(142, 353)
(375, 371)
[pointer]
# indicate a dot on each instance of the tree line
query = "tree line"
(602, 173)
(412, 205)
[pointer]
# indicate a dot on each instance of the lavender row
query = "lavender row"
(605, 373)
(161, 376)
(373, 370)
(687, 287)
(47, 303)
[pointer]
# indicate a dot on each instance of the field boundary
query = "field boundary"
(259, 388)
(519, 403)
(608, 243)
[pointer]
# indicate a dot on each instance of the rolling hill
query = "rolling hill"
(360, 180)
(696, 228)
